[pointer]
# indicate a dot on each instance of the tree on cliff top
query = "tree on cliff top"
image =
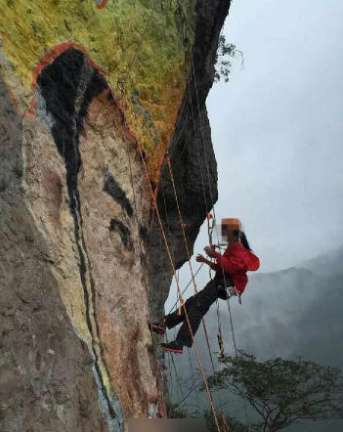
(283, 392)
(225, 53)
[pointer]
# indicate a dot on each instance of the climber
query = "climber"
(230, 280)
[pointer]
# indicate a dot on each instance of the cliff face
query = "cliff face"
(93, 93)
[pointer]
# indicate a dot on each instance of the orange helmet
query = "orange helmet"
(232, 223)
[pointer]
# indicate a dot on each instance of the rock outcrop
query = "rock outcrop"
(93, 94)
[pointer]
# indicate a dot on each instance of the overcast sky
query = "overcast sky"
(277, 130)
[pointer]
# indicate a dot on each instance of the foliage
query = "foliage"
(283, 392)
(229, 423)
(173, 411)
(226, 52)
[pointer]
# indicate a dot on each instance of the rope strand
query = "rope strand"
(213, 208)
(165, 240)
(188, 253)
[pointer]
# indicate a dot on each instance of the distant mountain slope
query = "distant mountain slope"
(328, 264)
(297, 311)
(293, 312)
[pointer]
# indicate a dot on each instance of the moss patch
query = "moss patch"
(140, 45)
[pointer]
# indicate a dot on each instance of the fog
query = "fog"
(277, 128)
(277, 132)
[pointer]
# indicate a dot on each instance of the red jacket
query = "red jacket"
(237, 261)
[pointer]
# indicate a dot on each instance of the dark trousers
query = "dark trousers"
(196, 306)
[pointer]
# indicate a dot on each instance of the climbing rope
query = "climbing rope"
(193, 388)
(209, 217)
(186, 287)
(197, 98)
(160, 223)
(179, 381)
(181, 220)
(232, 328)
(167, 221)
(169, 254)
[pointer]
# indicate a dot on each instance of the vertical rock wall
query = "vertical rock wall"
(92, 95)
(46, 369)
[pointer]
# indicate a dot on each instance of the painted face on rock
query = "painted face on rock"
(107, 197)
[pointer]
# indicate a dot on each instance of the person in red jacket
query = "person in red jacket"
(230, 279)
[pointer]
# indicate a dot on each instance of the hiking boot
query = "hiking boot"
(158, 327)
(172, 347)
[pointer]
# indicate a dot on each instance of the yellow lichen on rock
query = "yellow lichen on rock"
(141, 48)
(86, 86)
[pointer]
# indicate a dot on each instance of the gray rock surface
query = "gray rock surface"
(82, 263)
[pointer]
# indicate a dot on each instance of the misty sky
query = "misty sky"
(277, 130)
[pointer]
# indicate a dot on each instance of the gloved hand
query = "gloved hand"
(210, 251)
(201, 259)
